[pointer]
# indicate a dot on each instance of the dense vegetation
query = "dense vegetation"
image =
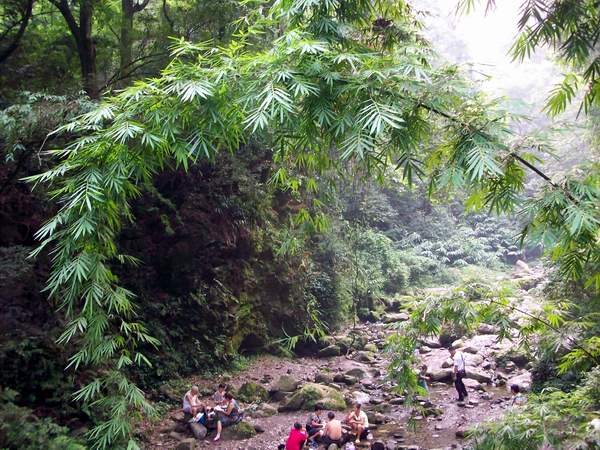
(296, 159)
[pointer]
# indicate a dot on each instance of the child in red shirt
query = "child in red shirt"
(296, 438)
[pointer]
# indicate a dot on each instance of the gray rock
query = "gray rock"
(176, 436)
(447, 363)
(470, 349)
(362, 356)
(460, 433)
(186, 444)
(356, 372)
(486, 328)
(361, 397)
(285, 383)
(323, 377)
(523, 381)
(478, 375)
(345, 379)
(474, 360)
(395, 317)
(378, 445)
(198, 430)
(442, 375)
(332, 350)
(458, 343)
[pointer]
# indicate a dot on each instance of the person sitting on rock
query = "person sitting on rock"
(333, 433)
(518, 398)
(423, 378)
(229, 416)
(219, 396)
(315, 424)
(358, 421)
(297, 438)
(191, 402)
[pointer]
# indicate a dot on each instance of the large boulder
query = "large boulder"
(360, 397)
(239, 431)
(312, 393)
(478, 375)
(252, 392)
(395, 317)
(523, 381)
(474, 360)
(285, 383)
(442, 375)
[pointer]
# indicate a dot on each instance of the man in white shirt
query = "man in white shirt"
(459, 373)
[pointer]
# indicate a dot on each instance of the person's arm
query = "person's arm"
(229, 408)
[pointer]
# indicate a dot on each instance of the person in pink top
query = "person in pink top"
(297, 438)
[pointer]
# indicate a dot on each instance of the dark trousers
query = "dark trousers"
(460, 386)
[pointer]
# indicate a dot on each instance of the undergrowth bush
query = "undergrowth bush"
(550, 419)
(21, 429)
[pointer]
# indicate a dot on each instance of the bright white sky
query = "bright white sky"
(485, 41)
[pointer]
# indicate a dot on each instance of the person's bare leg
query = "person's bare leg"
(219, 429)
(359, 430)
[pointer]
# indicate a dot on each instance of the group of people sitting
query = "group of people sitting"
(334, 431)
(222, 411)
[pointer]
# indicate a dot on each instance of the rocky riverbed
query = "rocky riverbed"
(275, 392)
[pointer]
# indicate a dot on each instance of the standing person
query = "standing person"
(460, 372)
(358, 421)
(332, 433)
(296, 439)
(230, 416)
(191, 403)
(219, 396)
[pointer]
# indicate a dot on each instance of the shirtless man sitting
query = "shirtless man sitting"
(332, 433)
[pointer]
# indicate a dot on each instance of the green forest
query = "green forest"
(317, 204)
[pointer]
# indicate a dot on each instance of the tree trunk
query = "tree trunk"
(82, 33)
(87, 49)
(127, 11)
(25, 12)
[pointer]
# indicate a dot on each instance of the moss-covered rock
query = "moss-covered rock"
(252, 392)
(239, 431)
(371, 348)
(313, 393)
